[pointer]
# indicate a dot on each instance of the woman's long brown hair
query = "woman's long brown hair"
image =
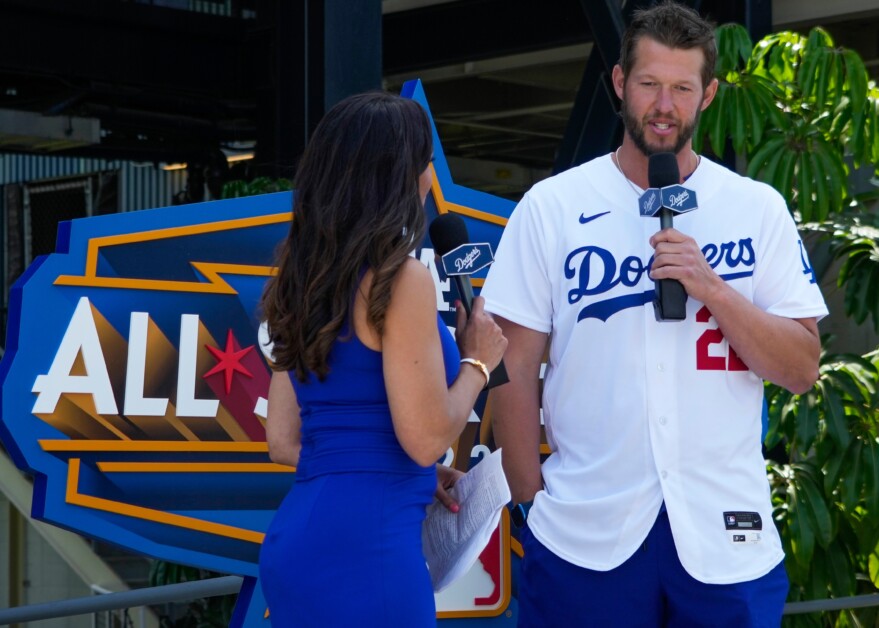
(356, 207)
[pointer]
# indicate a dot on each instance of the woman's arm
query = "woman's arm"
(283, 422)
(427, 415)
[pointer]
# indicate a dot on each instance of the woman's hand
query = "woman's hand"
(445, 479)
(479, 336)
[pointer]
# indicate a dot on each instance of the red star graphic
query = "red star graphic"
(229, 360)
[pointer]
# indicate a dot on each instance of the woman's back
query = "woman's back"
(346, 419)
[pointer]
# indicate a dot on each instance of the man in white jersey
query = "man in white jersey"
(653, 508)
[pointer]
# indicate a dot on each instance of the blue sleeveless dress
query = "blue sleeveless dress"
(344, 548)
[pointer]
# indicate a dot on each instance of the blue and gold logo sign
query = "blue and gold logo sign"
(135, 379)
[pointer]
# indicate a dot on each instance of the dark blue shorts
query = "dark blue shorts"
(650, 589)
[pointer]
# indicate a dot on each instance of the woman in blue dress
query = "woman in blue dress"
(369, 388)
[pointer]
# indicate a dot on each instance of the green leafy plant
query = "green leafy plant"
(796, 107)
(260, 185)
(212, 612)
(826, 494)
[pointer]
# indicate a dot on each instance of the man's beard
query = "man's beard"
(635, 129)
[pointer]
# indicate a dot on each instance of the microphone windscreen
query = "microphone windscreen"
(447, 232)
(662, 170)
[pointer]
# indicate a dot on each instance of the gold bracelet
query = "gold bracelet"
(480, 365)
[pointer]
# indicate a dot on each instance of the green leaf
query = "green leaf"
(811, 499)
(802, 536)
(873, 569)
(841, 119)
(819, 38)
(823, 77)
(873, 127)
(740, 115)
(871, 295)
(834, 468)
(770, 96)
(807, 421)
(817, 585)
(777, 398)
(755, 120)
(771, 172)
(856, 77)
(871, 468)
(784, 58)
(841, 572)
(733, 46)
(850, 493)
(743, 43)
(805, 181)
(806, 75)
(835, 173)
(837, 424)
(836, 76)
(857, 288)
(717, 132)
(821, 191)
(758, 160)
(786, 175)
(843, 381)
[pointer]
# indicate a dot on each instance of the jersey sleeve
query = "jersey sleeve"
(785, 284)
(517, 286)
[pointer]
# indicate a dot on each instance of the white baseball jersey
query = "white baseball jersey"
(638, 411)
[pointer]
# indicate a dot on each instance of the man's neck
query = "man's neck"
(633, 163)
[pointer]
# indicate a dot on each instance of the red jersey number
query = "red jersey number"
(707, 362)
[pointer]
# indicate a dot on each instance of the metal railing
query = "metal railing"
(182, 592)
(225, 585)
(832, 604)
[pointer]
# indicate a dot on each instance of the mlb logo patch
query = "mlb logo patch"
(730, 520)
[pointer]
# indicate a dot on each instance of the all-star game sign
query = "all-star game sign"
(135, 379)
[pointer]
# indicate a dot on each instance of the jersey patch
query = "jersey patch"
(748, 538)
(735, 520)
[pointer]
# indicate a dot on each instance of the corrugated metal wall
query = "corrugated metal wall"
(141, 186)
(213, 7)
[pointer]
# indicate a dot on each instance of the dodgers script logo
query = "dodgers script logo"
(596, 271)
(649, 202)
(136, 373)
(678, 200)
(467, 261)
(468, 258)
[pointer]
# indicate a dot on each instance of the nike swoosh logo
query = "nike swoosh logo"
(584, 218)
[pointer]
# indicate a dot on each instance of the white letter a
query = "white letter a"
(81, 336)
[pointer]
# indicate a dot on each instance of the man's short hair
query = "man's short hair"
(675, 26)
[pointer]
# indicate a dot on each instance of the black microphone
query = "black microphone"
(670, 301)
(448, 233)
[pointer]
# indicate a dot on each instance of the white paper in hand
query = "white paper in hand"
(453, 541)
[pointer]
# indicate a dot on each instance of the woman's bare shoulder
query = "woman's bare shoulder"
(413, 280)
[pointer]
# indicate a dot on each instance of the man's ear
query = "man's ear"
(619, 80)
(710, 93)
